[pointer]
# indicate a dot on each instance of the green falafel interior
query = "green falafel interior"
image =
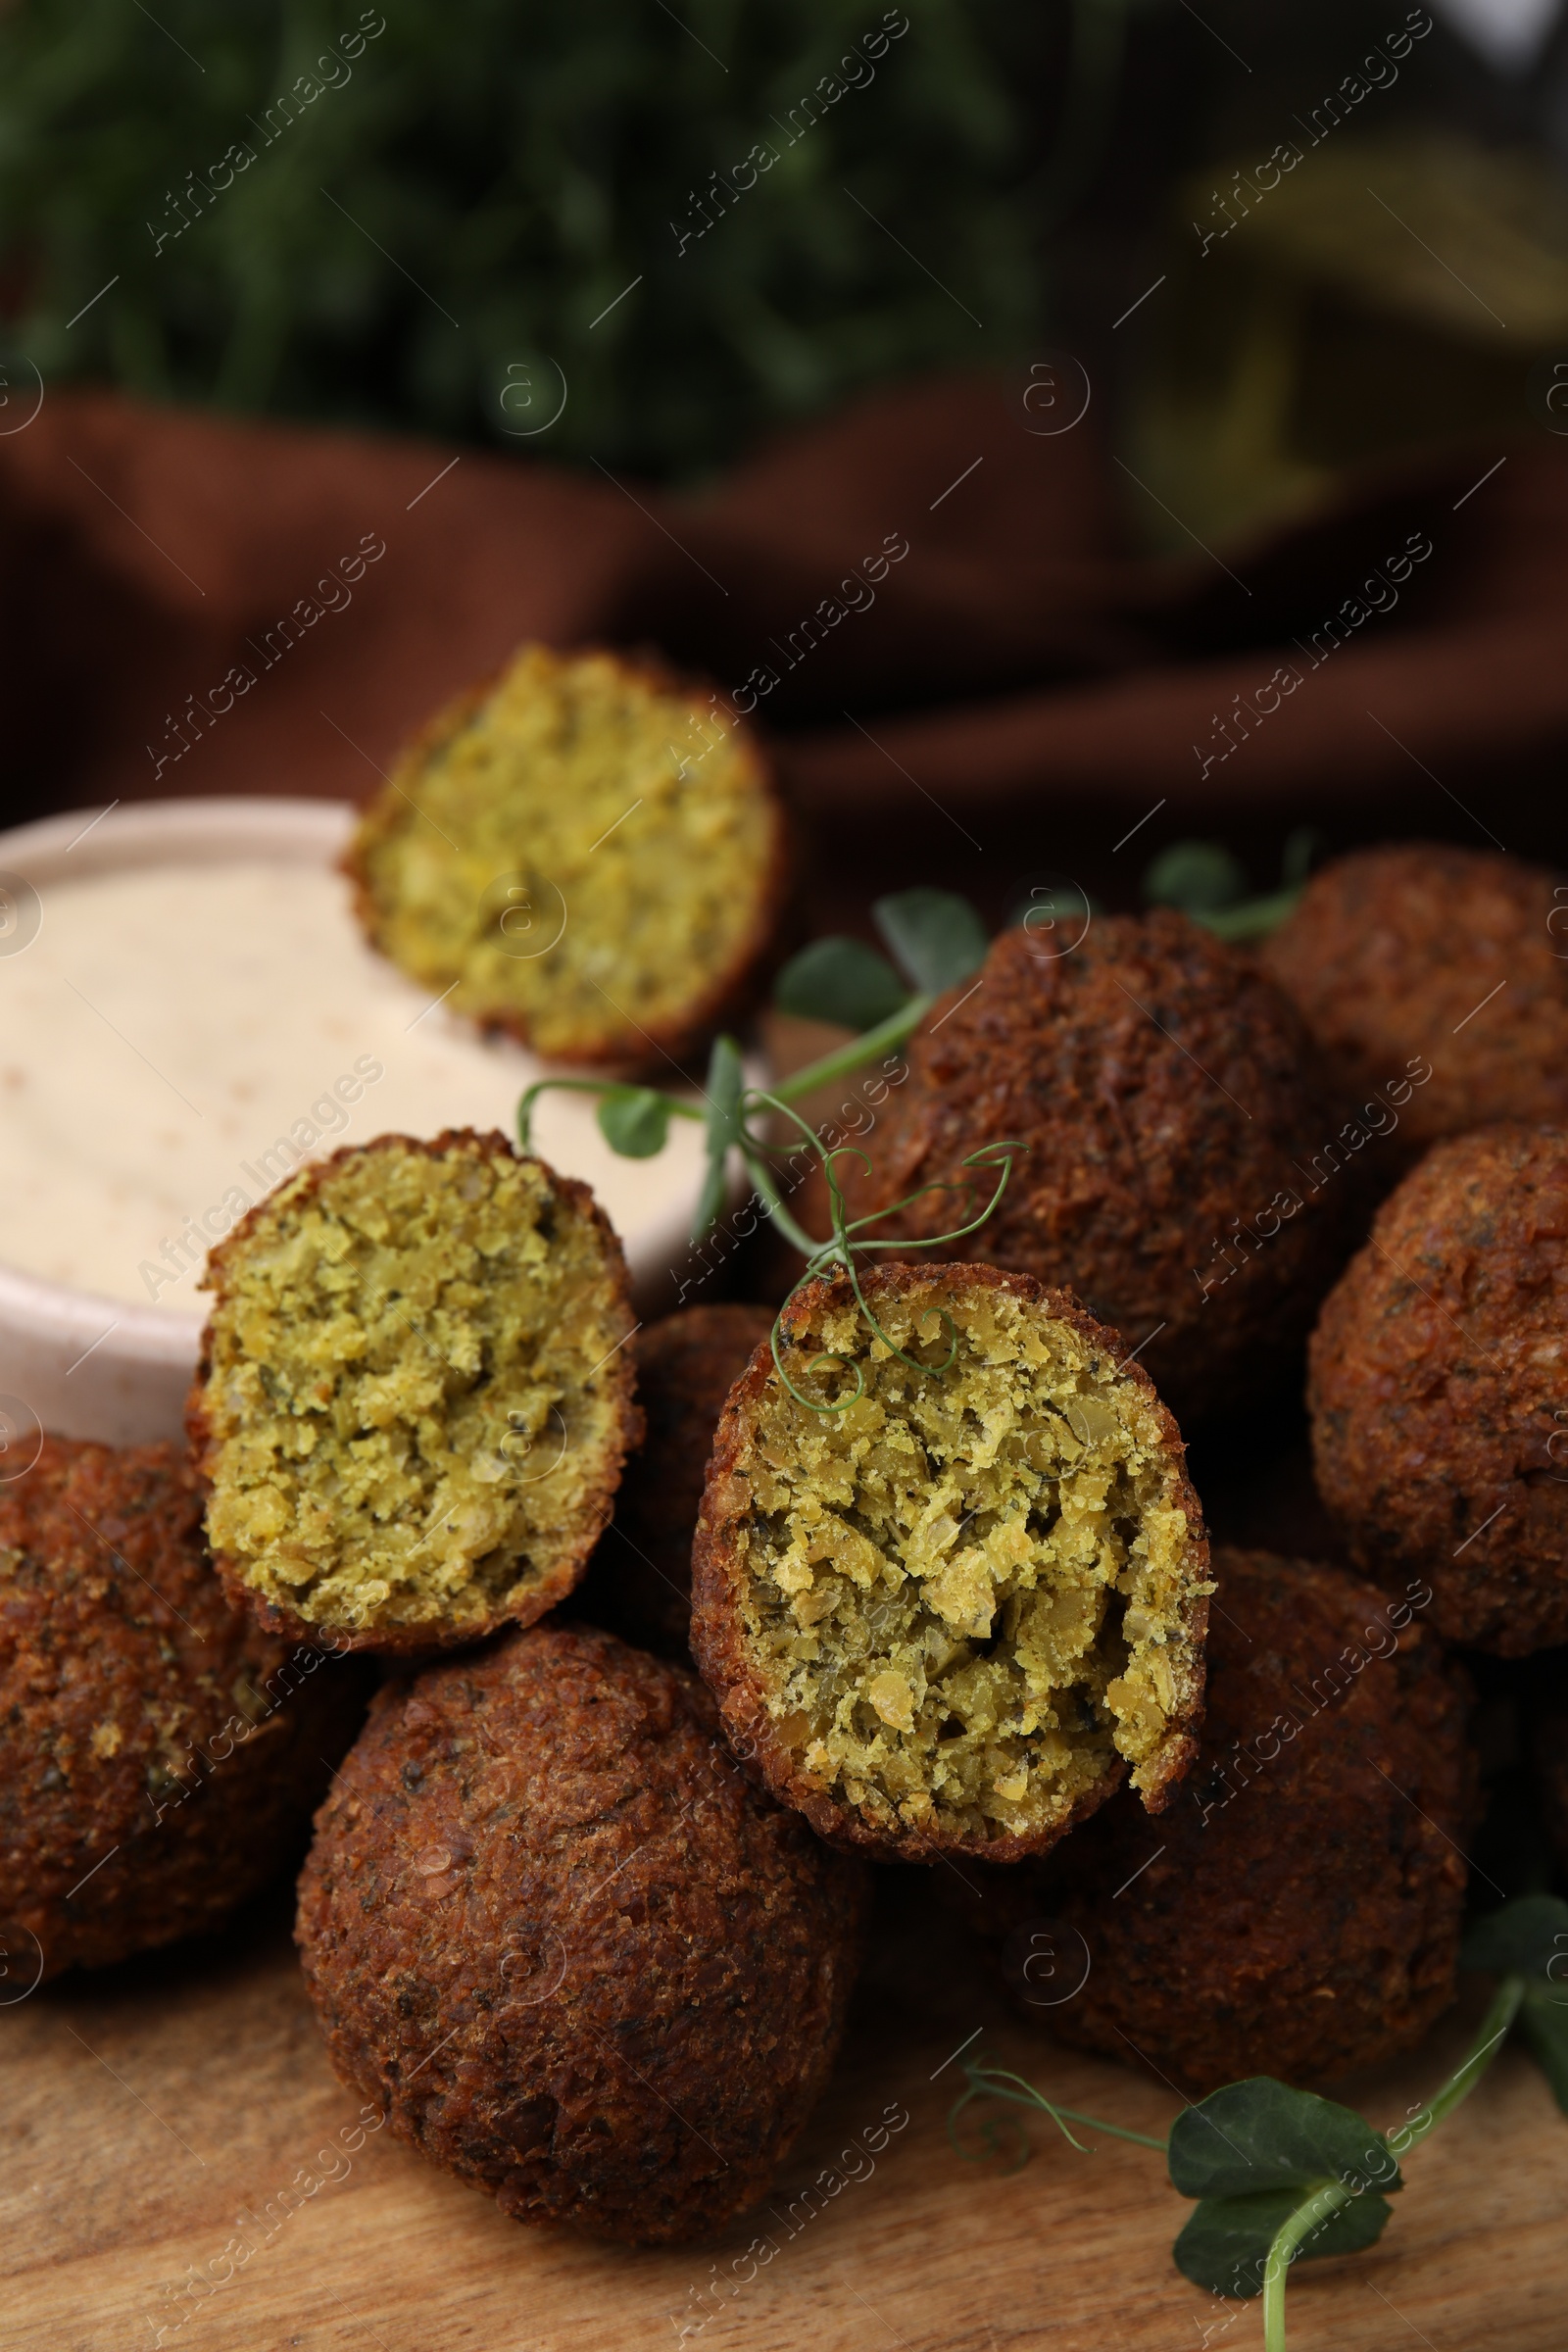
(970, 1597)
(414, 1401)
(583, 853)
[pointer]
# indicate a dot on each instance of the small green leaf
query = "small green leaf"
(1260, 2134)
(936, 938)
(723, 1127)
(840, 980)
(1522, 1940)
(1544, 2023)
(634, 1121)
(1197, 876)
(1226, 2242)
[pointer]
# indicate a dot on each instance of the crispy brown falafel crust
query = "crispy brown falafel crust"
(1162, 1085)
(722, 1583)
(579, 1958)
(567, 1195)
(640, 1582)
(1389, 951)
(618, 1045)
(1298, 1911)
(158, 1755)
(1438, 1383)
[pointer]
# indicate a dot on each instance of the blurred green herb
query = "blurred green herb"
(1279, 2175)
(841, 980)
(483, 193)
(1202, 879)
(936, 938)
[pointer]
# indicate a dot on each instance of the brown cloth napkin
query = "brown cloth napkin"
(930, 604)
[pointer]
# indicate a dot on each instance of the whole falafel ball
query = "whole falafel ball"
(1438, 1389)
(582, 1963)
(159, 1754)
(1297, 1910)
(949, 1578)
(1420, 958)
(1162, 1083)
(413, 1399)
(640, 1580)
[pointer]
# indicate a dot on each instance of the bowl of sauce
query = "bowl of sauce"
(189, 1013)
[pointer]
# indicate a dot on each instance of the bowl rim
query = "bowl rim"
(124, 835)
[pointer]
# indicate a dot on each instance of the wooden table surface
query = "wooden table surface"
(146, 2109)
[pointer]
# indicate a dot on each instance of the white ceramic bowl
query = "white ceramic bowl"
(85, 1365)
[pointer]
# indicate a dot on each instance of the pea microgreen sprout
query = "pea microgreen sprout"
(1279, 2175)
(850, 1239)
(937, 939)
(988, 2081)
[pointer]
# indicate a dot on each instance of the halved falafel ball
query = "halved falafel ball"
(1297, 1910)
(414, 1397)
(586, 853)
(1438, 1389)
(582, 1963)
(640, 1580)
(158, 1753)
(952, 1616)
(1162, 1087)
(1423, 959)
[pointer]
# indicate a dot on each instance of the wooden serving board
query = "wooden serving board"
(145, 2108)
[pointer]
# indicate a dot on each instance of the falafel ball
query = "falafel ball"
(413, 1399)
(587, 853)
(553, 1930)
(1438, 1389)
(640, 1580)
(1423, 957)
(1162, 1085)
(159, 1754)
(1298, 1911)
(950, 1576)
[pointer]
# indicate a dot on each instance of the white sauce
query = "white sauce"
(171, 1027)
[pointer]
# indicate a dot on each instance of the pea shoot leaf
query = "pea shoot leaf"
(936, 938)
(634, 1121)
(722, 1128)
(1225, 2244)
(840, 980)
(1197, 876)
(1260, 2134)
(1529, 1938)
(1524, 1939)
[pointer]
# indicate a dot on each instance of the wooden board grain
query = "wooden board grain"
(148, 2108)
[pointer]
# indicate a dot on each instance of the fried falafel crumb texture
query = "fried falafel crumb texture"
(598, 790)
(969, 1593)
(413, 1395)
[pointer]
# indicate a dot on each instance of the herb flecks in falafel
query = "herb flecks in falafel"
(583, 853)
(415, 1400)
(954, 1614)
